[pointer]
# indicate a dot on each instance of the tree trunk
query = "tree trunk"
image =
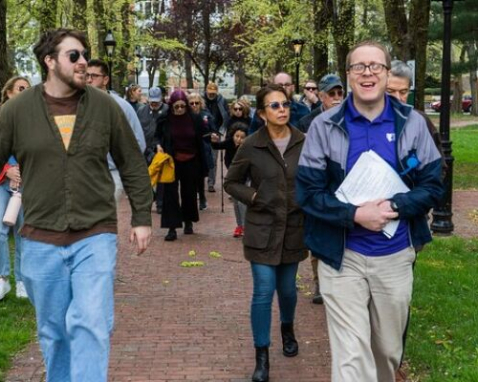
(409, 38)
(419, 20)
(206, 13)
(187, 57)
(188, 71)
(241, 79)
(322, 20)
(457, 86)
(79, 15)
(457, 90)
(5, 70)
(100, 15)
(397, 26)
(343, 31)
(124, 55)
(47, 15)
(473, 58)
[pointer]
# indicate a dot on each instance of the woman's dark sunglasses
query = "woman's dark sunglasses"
(238, 109)
(277, 105)
(75, 54)
(176, 107)
(194, 103)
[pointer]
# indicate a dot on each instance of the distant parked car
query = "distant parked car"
(465, 104)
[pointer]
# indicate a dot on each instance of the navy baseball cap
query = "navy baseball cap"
(329, 81)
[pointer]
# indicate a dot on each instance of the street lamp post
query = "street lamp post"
(110, 44)
(442, 215)
(137, 62)
(298, 44)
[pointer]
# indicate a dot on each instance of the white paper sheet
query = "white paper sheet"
(369, 179)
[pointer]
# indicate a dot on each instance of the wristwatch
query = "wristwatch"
(394, 207)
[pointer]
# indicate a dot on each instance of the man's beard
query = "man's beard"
(70, 80)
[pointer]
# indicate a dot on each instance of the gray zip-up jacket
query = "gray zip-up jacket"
(322, 169)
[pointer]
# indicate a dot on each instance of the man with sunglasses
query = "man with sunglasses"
(61, 131)
(97, 76)
(331, 93)
(297, 109)
(366, 278)
(310, 98)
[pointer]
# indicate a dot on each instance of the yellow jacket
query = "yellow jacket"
(161, 169)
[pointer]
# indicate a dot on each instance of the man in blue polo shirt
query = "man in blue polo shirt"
(366, 278)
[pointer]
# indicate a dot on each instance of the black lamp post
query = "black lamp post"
(298, 44)
(137, 62)
(442, 222)
(110, 44)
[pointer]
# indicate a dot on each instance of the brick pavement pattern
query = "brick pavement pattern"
(192, 324)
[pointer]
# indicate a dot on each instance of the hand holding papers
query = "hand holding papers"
(371, 178)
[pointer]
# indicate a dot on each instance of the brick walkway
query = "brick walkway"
(175, 323)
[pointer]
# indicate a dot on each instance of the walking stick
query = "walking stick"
(222, 182)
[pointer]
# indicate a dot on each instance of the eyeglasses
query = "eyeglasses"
(334, 93)
(179, 106)
(194, 103)
(21, 88)
(277, 105)
(310, 88)
(93, 76)
(75, 54)
(238, 109)
(373, 67)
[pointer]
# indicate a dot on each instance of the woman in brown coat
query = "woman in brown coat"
(273, 236)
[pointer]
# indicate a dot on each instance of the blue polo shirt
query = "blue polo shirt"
(377, 135)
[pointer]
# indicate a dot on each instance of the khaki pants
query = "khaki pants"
(367, 305)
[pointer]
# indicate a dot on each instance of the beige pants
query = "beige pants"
(367, 305)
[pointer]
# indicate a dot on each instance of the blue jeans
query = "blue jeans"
(239, 212)
(71, 288)
(5, 195)
(267, 279)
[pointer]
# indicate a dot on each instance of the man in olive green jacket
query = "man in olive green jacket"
(61, 132)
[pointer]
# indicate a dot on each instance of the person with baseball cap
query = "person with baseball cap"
(331, 93)
(148, 116)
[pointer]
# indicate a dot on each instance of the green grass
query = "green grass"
(465, 152)
(442, 344)
(17, 327)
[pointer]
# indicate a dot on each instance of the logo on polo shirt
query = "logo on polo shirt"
(390, 137)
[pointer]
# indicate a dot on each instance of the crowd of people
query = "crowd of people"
(74, 150)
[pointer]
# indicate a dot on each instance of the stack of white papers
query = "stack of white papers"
(369, 179)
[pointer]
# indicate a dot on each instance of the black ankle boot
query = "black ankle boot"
(261, 372)
(188, 228)
(290, 347)
(172, 235)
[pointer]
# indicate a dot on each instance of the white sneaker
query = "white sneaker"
(4, 287)
(21, 291)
